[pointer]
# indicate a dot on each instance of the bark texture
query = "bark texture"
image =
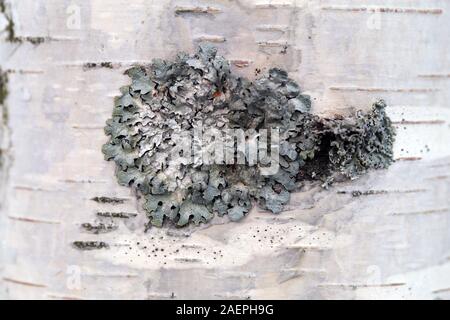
(64, 63)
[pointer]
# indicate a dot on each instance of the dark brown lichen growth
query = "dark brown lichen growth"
(348, 147)
(166, 99)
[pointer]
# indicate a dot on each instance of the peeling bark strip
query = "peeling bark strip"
(84, 127)
(120, 215)
(99, 228)
(308, 247)
(23, 71)
(273, 28)
(33, 220)
(112, 275)
(408, 159)
(34, 40)
(188, 260)
(421, 212)
(196, 10)
(90, 245)
(419, 122)
(411, 90)
(440, 165)
(82, 181)
(435, 76)
(385, 10)
(358, 193)
(36, 189)
(210, 38)
(443, 177)
(362, 285)
(274, 5)
(273, 44)
(24, 283)
(100, 65)
(63, 297)
(111, 200)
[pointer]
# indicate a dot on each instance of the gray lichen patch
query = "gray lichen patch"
(168, 100)
(348, 147)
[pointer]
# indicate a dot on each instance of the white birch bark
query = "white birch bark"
(394, 243)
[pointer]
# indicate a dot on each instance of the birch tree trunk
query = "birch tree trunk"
(64, 63)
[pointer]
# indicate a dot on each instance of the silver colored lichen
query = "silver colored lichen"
(167, 99)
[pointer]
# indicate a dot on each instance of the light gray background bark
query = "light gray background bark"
(392, 244)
